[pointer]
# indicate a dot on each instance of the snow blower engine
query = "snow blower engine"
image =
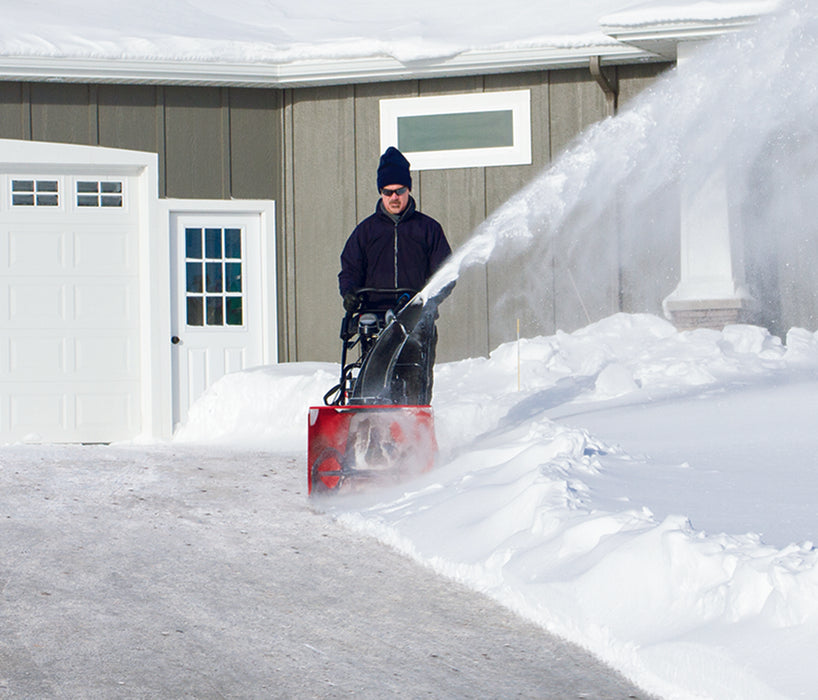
(376, 424)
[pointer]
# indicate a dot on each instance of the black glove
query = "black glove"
(350, 302)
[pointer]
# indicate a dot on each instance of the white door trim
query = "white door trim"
(265, 211)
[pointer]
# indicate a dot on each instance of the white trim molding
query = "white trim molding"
(514, 103)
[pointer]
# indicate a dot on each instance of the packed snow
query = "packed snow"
(644, 492)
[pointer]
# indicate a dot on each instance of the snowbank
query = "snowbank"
(536, 512)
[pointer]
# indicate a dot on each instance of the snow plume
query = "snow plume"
(607, 208)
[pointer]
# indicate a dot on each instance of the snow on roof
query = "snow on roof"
(278, 42)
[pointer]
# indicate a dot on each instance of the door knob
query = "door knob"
(175, 340)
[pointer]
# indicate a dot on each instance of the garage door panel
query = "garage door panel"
(100, 414)
(109, 250)
(34, 357)
(39, 356)
(73, 414)
(112, 355)
(37, 303)
(30, 410)
(105, 304)
(37, 252)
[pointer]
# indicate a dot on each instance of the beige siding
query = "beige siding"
(63, 113)
(15, 111)
(323, 181)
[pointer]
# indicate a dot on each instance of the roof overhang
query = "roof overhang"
(662, 36)
(311, 73)
(629, 36)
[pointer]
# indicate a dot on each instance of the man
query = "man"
(397, 246)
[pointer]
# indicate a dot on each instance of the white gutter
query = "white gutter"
(307, 73)
(661, 36)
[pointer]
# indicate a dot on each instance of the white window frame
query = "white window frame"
(518, 101)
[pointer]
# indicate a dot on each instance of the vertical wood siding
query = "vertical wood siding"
(315, 151)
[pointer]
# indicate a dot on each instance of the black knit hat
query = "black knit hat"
(393, 169)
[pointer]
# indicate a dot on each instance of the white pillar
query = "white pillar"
(711, 291)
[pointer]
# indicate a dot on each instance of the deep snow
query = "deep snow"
(277, 31)
(646, 493)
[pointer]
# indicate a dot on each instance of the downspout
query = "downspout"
(611, 89)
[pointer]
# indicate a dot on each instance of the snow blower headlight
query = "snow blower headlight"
(367, 324)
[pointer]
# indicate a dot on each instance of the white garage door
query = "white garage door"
(69, 308)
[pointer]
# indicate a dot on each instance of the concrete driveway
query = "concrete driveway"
(179, 572)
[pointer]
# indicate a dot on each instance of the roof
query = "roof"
(276, 43)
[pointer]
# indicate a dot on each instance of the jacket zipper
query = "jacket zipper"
(396, 255)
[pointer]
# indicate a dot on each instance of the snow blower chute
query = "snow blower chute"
(376, 426)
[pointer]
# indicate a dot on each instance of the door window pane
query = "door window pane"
(213, 243)
(195, 317)
(234, 313)
(214, 311)
(232, 277)
(193, 243)
(193, 275)
(232, 243)
(213, 276)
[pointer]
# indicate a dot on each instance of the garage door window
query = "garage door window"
(213, 277)
(35, 193)
(99, 193)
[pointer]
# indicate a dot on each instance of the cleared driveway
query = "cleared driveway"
(177, 572)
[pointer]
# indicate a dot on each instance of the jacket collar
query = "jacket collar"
(397, 218)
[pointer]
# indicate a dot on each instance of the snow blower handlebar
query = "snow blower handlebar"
(361, 325)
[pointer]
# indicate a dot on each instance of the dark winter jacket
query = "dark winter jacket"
(389, 254)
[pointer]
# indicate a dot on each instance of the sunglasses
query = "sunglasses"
(399, 191)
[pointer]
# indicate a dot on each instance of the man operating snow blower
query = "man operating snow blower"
(396, 247)
(377, 424)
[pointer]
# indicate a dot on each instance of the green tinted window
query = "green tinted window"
(444, 132)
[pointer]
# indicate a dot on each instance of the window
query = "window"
(459, 131)
(213, 277)
(35, 193)
(95, 193)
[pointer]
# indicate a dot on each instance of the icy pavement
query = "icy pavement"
(188, 572)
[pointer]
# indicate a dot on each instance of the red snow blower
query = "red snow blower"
(376, 426)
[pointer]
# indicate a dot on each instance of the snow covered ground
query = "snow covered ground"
(646, 493)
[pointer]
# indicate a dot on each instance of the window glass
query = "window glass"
(195, 317)
(213, 243)
(193, 243)
(234, 312)
(35, 193)
(232, 243)
(214, 311)
(96, 193)
(438, 132)
(213, 276)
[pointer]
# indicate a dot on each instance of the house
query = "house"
(164, 220)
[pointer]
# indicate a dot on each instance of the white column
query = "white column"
(711, 291)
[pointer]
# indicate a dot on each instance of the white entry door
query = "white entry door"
(217, 324)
